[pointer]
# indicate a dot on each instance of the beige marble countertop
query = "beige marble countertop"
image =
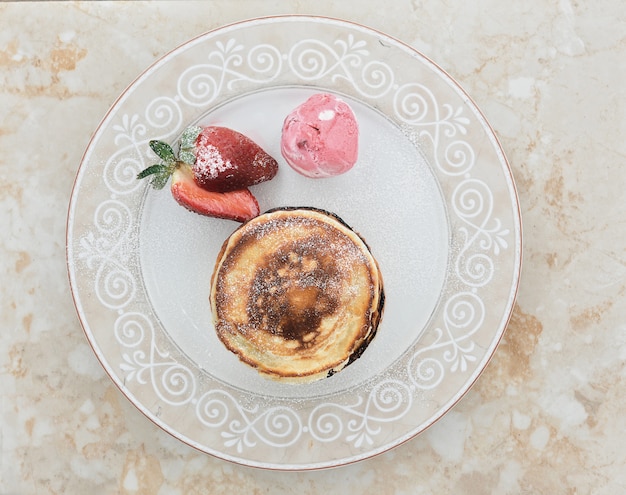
(547, 416)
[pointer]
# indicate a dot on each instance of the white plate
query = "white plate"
(432, 194)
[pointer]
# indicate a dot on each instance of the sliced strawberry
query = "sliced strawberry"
(233, 204)
(226, 159)
(239, 205)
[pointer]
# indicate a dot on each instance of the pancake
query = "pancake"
(296, 294)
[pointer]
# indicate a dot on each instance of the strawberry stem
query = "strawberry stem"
(160, 173)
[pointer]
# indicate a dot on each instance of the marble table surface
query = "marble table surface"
(546, 416)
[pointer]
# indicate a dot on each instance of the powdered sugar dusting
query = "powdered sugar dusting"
(303, 275)
(390, 197)
(264, 161)
(210, 162)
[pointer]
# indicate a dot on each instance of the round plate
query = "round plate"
(432, 194)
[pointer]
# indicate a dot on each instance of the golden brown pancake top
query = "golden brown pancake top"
(295, 293)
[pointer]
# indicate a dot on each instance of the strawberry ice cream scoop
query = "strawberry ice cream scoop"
(320, 137)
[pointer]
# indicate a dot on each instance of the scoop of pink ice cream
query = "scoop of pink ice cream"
(321, 137)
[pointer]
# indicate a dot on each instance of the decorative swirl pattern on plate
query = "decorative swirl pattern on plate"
(106, 250)
(453, 348)
(481, 233)
(387, 402)
(163, 113)
(109, 244)
(442, 124)
(173, 382)
(199, 85)
(244, 427)
(313, 60)
(122, 167)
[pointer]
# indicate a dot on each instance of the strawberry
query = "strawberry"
(224, 159)
(235, 204)
(239, 205)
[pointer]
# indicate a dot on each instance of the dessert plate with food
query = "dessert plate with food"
(294, 242)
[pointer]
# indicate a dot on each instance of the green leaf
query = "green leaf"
(158, 181)
(187, 157)
(159, 174)
(187, 144)
(164, 151)
(153, 169)
(189, 136)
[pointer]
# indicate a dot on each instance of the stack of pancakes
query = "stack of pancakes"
(296, 294)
